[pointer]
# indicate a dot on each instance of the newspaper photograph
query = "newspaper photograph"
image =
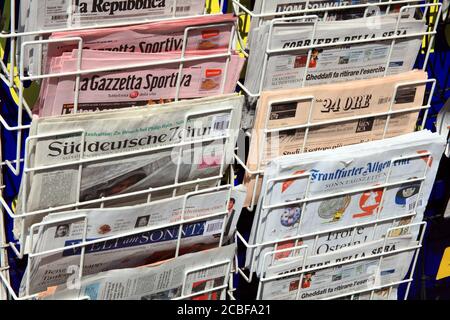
(288, 108)
(306, 205)
(151, 233)
(163, 281)
(332, 63)
(319, 281)
(173, 134)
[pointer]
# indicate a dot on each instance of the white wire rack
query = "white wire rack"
(300, 15)
(301, 269)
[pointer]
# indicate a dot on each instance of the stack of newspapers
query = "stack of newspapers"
(134, 65)
(127, 191)
(148, 180)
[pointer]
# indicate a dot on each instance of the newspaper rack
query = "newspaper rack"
(252, 267)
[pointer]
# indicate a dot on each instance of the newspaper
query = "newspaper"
(320, 281)
(111, 139)
(345, 169)
(203, 272)
(151, 233)
(135, 86)
(288, 108)
(55, 14)
(288, 6)
(203, 33)
(334, 63)
(3, 252)
(40, 15)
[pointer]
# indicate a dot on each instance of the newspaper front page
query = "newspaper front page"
(120, 134)
(334, 63)
(346, 169)
(289, 6)
(55, 14)
(162, 281)
(151, 232)
(281, 109)
(320, 282)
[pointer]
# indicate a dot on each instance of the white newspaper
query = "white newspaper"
(345, 170)
(151, 233)
(288, 6)
(326, 103)
(342, 276)
(205, 274)
(160, 130)
(334, 63)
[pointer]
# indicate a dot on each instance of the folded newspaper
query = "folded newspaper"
(128, 150)
(360, 60)
(334, 199)
(135, 86)
(150, 234)
(205, 274)
(36, 15)
(341, 273)
(281, 109)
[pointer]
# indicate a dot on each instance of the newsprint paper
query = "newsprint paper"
(334, 63)
(55, 14)
(157, 282)
(159, 129)
(320, 282)
(152, 233)
(345, 169)
(281, 109)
